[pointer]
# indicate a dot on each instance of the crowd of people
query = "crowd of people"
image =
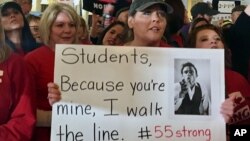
(27, 55)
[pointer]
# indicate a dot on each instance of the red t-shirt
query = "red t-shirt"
(41, 63)
(237, 83)
(17, 100)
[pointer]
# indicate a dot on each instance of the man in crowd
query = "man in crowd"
(26, 5)
(190, 96)
(200, 9)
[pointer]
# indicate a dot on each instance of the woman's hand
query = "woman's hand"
(54, 94)
(227, 108)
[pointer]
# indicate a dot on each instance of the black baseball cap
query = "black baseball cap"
(203, 8)
(10, 4)
(140, 5)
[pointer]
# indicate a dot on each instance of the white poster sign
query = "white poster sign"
(226, 6)
(131, 94)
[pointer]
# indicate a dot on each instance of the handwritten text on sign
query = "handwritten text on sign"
(127, 93)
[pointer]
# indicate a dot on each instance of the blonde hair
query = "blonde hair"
(50, 15)
(4, 49)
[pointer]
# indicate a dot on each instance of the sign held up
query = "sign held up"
(127, 93)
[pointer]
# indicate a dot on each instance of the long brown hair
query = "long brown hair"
(4, 49)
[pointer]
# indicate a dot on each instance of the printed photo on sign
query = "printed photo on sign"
(192, 87)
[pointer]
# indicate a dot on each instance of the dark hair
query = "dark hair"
(121, 10)
(5, 51)
(100, 38)
(178, 13)
(193, 36)
(239, 8)
(188, 64)
(175, 21)
(174, 24)
(196, 21)
(28, 41)
(29, 1)
(203, 8)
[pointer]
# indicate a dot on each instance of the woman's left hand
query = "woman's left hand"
(54, 94)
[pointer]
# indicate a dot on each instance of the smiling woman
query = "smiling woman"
(59, 24)
(114, 34)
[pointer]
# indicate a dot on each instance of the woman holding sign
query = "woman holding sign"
(237, 87)
(147, 21)
(152, 15)
(143, 14)
(59, 25)
(17, 118)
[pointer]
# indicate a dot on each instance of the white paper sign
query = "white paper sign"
(128, 94)
(226, 6)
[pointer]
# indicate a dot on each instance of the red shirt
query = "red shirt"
(237, 83)
(41, 63)
(164, 44)
(17, 105)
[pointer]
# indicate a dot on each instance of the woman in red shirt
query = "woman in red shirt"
(59, 25)
(17, 103)
(237, 87)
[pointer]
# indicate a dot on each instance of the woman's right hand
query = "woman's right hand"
(54, 94)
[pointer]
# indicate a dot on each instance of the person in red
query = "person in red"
(237, 87)
(58, 25)
(17, 102)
